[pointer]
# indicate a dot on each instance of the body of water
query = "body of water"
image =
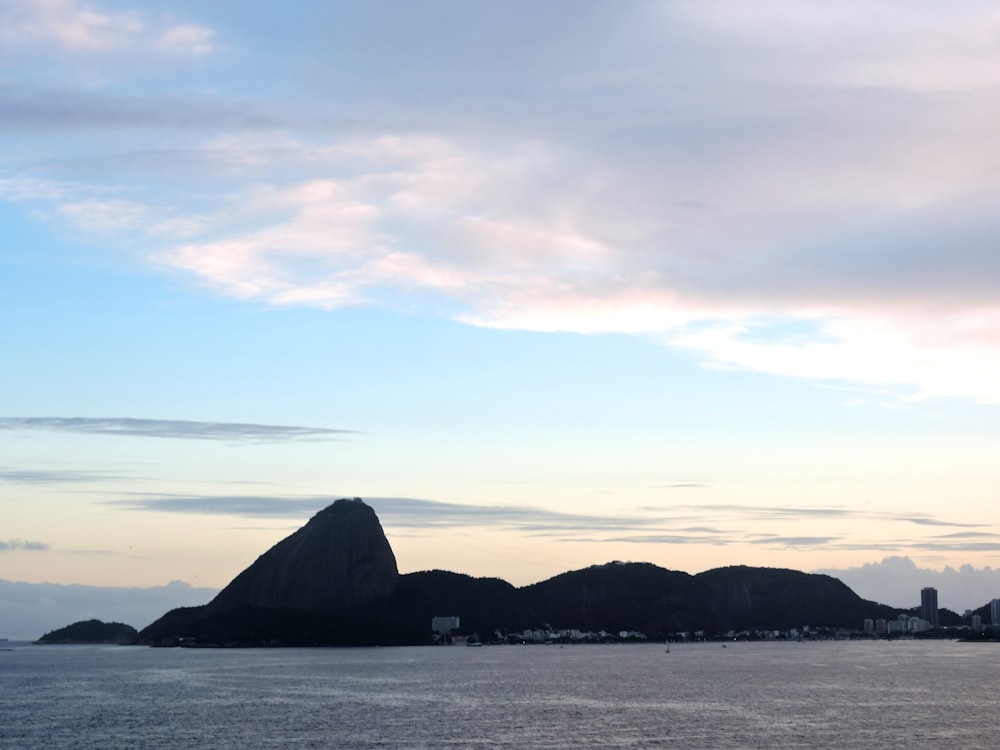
(838, 695)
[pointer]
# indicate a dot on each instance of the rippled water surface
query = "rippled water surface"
(747, 695)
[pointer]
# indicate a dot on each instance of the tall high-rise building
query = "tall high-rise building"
(995, 612)
(929, 606)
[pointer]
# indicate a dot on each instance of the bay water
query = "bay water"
(829, 694)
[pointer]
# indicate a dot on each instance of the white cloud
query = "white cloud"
(30, 189)
(936, 357)
(103, 216)
(523, 242)
(827, 166)
(81, 27)
(191, 38)
(897, 581)
(909, 44)
(67, 23)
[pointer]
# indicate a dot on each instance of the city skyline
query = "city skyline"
(547, 286)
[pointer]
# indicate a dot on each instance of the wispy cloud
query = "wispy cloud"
(247, 506)
(970, 535)
(719, 539)
(83, 27)
(395, 512)
(233, 432)
(732, 524)
(927, 521)
(11, 545)
(51, 476)
(777, 540)
(954, 546)
(63, 110)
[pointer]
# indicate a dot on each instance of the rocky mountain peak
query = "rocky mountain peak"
(340, 559)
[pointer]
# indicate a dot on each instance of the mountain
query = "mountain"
(91, 631)
(335, 582)
(339, 560)
(307, 589)
(619, 596)
(741, 598)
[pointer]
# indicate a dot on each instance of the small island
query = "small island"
(90, 631)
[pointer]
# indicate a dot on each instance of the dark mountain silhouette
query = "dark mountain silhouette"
(619, 596)
(91, 631)
(340, 560)
(483, 604)
(740, 598)
(335, 582)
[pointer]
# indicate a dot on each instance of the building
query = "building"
(917, 625)
(442, 627)
(995, 612)
(929, 606)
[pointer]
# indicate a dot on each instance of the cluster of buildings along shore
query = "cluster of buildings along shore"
(904, 626)
(929, 620)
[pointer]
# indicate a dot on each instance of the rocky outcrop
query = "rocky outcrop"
(305, 590)
(339, 560)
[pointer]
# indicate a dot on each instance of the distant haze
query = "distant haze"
(29, 610)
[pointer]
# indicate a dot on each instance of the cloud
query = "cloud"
(394, 512)
(63, 109)
(897, 581)
(900, 45)
(105, 215)
(793, 541)
(192, 38)
(84, 28)
(500, 246)
(11, 545)
(50, 476)
(936, 356)
(924, 521)
(787, 168)
(668, 525)
(716, 539)
(233, 432)
(955, 546)
(247, 506)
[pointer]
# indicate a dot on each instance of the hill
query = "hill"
(91, 631)
(335, 582)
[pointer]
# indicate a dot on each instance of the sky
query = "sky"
(547, 284)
